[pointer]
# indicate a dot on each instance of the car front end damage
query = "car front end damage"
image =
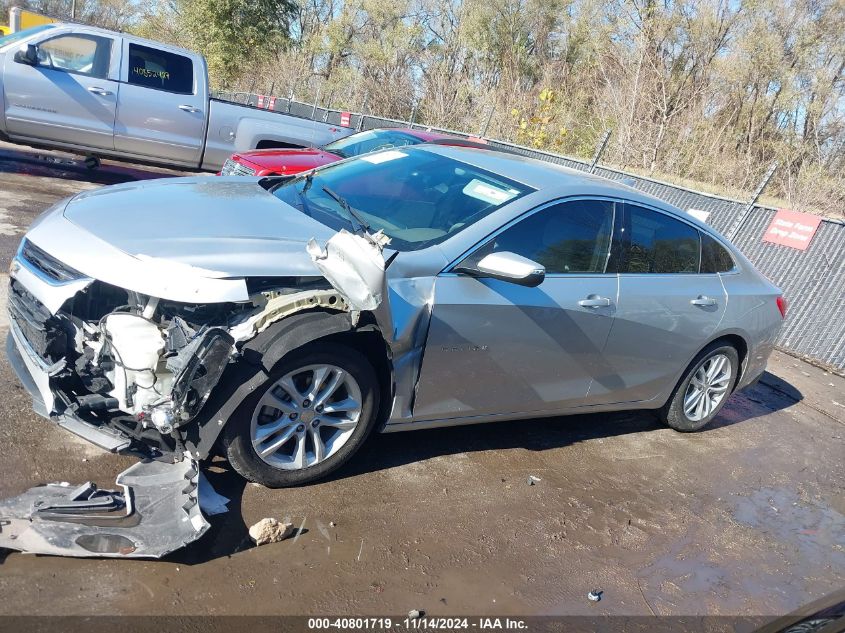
(134, 373)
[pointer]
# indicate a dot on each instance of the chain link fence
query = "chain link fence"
(812, 280)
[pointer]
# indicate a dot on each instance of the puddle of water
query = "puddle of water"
(804, 537)
(817, 530)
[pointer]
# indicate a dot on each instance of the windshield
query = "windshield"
(16, 37)
(370, 141)
(417, 197)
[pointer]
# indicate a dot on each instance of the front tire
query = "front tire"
(704, 389)
(307, 420)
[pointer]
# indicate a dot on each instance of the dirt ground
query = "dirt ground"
(745, 518)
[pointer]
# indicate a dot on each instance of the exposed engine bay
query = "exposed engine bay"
(147, 366)
(132, 373)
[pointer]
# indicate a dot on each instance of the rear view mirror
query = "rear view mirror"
(510, 267)
(28, 55)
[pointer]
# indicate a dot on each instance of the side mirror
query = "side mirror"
(28, 55)
(510, 267)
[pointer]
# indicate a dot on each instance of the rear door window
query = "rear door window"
(160, 70)
(657, 243)
(81, 54)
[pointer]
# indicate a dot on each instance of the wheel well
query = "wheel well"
(741, 347)
(268, 144)
(371, 345)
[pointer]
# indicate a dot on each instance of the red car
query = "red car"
(284, 162)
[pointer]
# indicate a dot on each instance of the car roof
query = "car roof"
(535, 173)
(557, 180)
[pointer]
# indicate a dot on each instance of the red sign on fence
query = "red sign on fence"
(791, 228)
(345, 119)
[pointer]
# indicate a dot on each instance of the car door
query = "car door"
(161, 112)
(668, 308)
(70, 95)
(497, 348)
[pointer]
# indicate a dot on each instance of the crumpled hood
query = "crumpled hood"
(230, 226)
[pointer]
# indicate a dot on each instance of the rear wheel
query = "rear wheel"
(704, 389)
(306, 421)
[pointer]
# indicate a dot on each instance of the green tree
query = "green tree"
(233, 35)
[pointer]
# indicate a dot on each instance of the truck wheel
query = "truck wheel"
(92, 162)
(307, 420)
(704, 389)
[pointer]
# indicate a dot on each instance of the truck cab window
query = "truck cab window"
(83, 54)
(153, 68)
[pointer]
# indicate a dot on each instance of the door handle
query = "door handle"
(189, 108)
(594, 301)
(99, 91)
(702, 300)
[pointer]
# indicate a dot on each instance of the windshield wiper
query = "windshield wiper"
(358, 222)
(308, 178)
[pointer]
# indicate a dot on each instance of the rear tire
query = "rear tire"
(704, 389)
(302, 431)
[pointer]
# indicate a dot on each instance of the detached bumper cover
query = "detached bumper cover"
(156, 512)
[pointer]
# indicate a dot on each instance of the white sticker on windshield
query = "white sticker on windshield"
(383, 157)
(488, 193)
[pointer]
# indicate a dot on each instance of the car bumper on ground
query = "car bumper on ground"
(155, 511)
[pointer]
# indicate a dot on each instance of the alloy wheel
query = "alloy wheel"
(306, 416)
(708, 387)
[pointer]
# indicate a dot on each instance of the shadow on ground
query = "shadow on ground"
(47, 164)
(229, 535)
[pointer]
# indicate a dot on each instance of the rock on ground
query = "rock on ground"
(270, 531)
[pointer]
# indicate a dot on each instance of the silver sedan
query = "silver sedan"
(282, 320)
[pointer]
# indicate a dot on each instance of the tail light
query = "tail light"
(782, 305)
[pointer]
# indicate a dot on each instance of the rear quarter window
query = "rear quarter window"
(714, 257)
(160, 70)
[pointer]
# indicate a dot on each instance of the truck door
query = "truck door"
(161, 112)
(69, 95)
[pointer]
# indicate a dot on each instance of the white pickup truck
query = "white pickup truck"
(104, 93)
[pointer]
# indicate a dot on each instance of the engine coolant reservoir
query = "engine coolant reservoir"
(137, 346)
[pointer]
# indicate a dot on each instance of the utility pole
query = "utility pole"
(600, 150)
(743, 217)
(363, 110)
(486, 125)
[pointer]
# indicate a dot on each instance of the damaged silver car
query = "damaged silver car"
(281, 320)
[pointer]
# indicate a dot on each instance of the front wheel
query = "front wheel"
(703, 390)
(307, 420)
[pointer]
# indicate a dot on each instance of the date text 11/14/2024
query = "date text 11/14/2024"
(418, 623)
